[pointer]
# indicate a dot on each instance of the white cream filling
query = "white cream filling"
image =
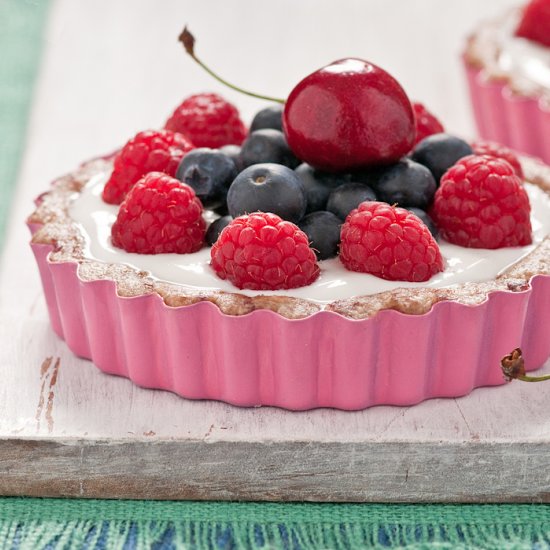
(462, 265)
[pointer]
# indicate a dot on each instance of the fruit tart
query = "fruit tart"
(344, 251)
(508, 68)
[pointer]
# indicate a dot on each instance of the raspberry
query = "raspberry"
(159, 215)
(389, 242)
(426, 123)
(497, 150)
(481, 203)
(261, 251)
(208, 120)
(535, 22)
(149, 151)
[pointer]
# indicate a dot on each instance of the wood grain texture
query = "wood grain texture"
(66, 429)
(305, 471)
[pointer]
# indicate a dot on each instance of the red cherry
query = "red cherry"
(348, 115)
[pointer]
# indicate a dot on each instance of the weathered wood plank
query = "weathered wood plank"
(312, 471)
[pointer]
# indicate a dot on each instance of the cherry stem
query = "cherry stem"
(526, 378)
(513, 367)
(188, 41)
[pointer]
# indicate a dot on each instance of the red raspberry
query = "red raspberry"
(481, 203)
(497, 150)
(208, 120)
(261, 251)
(535, 23)
(149, 151)
(426, 123)
(389, 242)
(159, 215)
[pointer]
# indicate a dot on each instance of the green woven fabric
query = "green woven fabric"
(21, 24)
(67, 524)
(94, 524)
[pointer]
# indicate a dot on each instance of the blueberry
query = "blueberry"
(267, 145)
(323, 231)
(209, 172)
(347, 197)
(406, 183)
(215, 228)
(426, 219)
(270, 117)
(318, 185)
(221, 210)
(267, 188)
(439, 152)
(234, 153)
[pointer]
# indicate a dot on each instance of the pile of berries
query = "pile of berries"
(279, 215)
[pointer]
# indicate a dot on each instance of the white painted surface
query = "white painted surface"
(113, 68)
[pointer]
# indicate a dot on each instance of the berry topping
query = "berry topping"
(159, 215)
(535, 22)
(347, 197)
(406, 183)
(215, 228)
(481, 203)
(499, 151)
(210, 173)
(208, 120)
(348, 115)
(426, 123)
(149, 151)
(439, 152)
(389, 242)
(267, 188)
(323, 231)
(318, 185)
(267, 145)
(261, 251)
(423, 215)
(270, 117)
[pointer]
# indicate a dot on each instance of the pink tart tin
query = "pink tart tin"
(509, 85)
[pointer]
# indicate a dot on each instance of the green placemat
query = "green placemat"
(68, 524)
(21, 26)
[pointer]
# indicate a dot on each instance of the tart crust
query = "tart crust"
(481, 53)
(53, 226)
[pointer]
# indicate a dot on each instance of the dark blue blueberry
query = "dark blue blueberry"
(215, 228)
(270, 117)
(221, 210)
(439, 152)
(406, 183)
(319, 185)
(234, 153)
(347, 197)
(267, 188)
(267, 146)
(209, 172)
(323, 231)
(369, 176)
(426, 219)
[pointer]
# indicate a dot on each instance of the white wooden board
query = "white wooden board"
(68, 430)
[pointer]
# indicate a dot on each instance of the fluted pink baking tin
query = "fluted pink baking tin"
(522, 123)
(324, 360)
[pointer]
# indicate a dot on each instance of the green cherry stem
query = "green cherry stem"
(525, 378)
(188, 41)
(513, 367)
